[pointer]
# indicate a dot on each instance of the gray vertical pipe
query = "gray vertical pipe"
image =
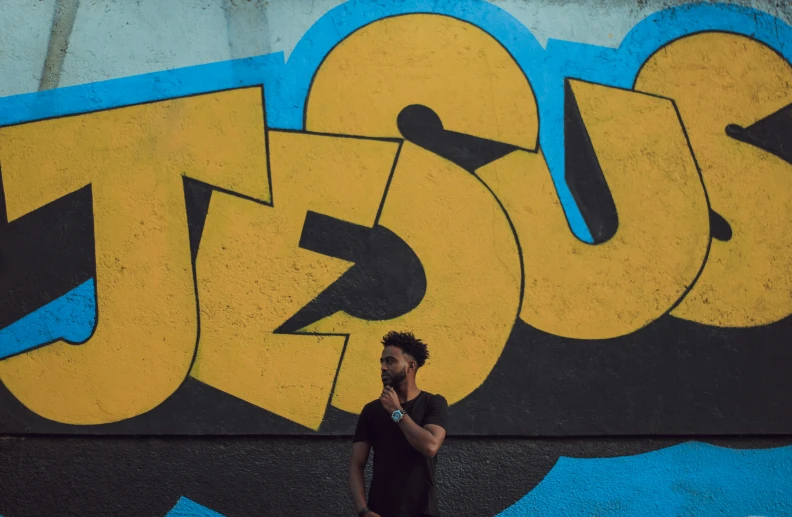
(62, 24)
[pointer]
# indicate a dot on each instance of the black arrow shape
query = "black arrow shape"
(772, 133)
(423, 127)
(719, 227)
(45, 253)
(584, 176)
(386, 281)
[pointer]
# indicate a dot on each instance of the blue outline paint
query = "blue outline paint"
(692, 479)
(156, 86)
(71, 317)
(286, 83)
(188, 508)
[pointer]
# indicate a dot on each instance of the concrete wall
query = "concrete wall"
(210, 212)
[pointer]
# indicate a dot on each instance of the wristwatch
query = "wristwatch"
(397, 415)
(364, 511)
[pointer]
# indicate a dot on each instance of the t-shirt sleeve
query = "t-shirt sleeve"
(437, 412)
(361, 430)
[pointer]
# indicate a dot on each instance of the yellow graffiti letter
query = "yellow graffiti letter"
(253, 276)
(446, 215)
(469, 255)
(578, 290)
(718, 79)
(461, 72)
(134, 159)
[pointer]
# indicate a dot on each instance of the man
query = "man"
(406, 427)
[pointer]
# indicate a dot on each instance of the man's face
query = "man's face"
(393, 365)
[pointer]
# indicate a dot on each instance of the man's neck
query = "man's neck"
(407, 391)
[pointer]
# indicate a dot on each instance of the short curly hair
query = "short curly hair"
(409, 345)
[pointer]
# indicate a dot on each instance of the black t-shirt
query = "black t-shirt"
(403, 484)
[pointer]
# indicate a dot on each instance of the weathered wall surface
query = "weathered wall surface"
(243, 476)
(212, 211)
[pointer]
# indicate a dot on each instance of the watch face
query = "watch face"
(396, 416)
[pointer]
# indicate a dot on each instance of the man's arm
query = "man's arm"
(357, 464)
(426, 440)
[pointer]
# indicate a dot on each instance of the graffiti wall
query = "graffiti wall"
(557, 232)
(593, 241)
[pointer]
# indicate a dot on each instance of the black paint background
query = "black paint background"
(672, 377)
(276, 476)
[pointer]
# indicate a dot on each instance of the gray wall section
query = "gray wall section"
(114, 38)
(24, 34)
(246, 477)
(119, 39)
(605, 22)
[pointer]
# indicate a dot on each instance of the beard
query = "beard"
(395, 379)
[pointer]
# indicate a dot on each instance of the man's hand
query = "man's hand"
(389, 399)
